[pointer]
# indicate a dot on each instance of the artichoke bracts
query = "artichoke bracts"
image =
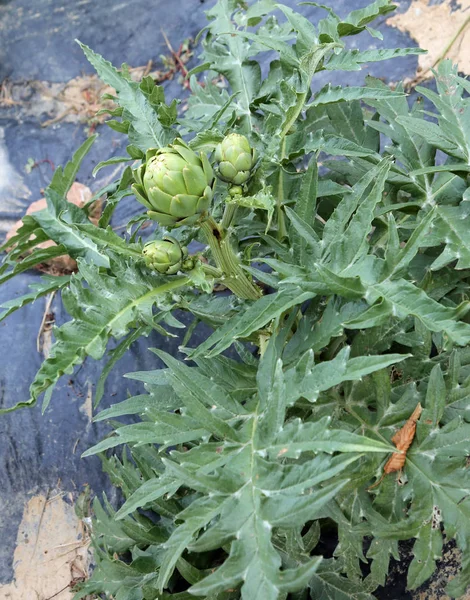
(175, 184)
(167, 256)
(235, 159)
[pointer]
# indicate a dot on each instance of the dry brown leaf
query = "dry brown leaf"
(436, 27)
(402, 439)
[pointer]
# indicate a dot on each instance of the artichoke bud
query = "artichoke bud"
(235, 158)
(235, 190)
(189, 263)
(165, 256)
(175, 184)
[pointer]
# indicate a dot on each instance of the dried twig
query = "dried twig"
(59, 592)
(43, 510)
(177, 58)
(34, 164)
(148, 68)
(75, 445)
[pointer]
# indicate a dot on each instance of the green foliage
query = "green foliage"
(346, 251)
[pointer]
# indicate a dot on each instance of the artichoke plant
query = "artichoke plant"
(235, 158)
(175, 184)
(166, 256)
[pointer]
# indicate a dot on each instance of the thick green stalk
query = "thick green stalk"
(225, 258)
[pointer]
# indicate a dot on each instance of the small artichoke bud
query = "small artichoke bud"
(235, 190)
(189, 263)
(235, 158)
(165, 256)
(175, 184)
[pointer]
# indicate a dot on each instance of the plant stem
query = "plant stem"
(281, 222)
(301, 98)
(212, 271)
(168, 287)
(229, 214)
(225, 258)
(334, 346)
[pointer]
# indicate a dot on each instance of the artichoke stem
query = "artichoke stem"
(212, 271)
(281, 223)
(229, 214)
(225, 258)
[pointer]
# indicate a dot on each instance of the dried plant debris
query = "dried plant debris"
(402, 439)
(79, 99)
(441, 29)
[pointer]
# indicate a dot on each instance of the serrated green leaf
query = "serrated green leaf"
(356, 20)
(348, 287)
(352, 243)
(108, 240)
(417, 239)
(435, 398)
(146, 130)
(329, 94)
(432, 134)
(406, 299)
(59, 221)
(197, 393)
(352, 60)
(182, 537)
(115, 310)
(253, 318)
(306, 236)
(450, 229)
(304, 211)
(37, 257)
(116, 354)
(170, 429)
(329, 583)
(115, 160)
(314, 437)
(48, 285)
(427, 549)
(63, 178)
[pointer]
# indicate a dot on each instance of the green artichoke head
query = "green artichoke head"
(235, 158)
(175, 184)
(165, 256)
